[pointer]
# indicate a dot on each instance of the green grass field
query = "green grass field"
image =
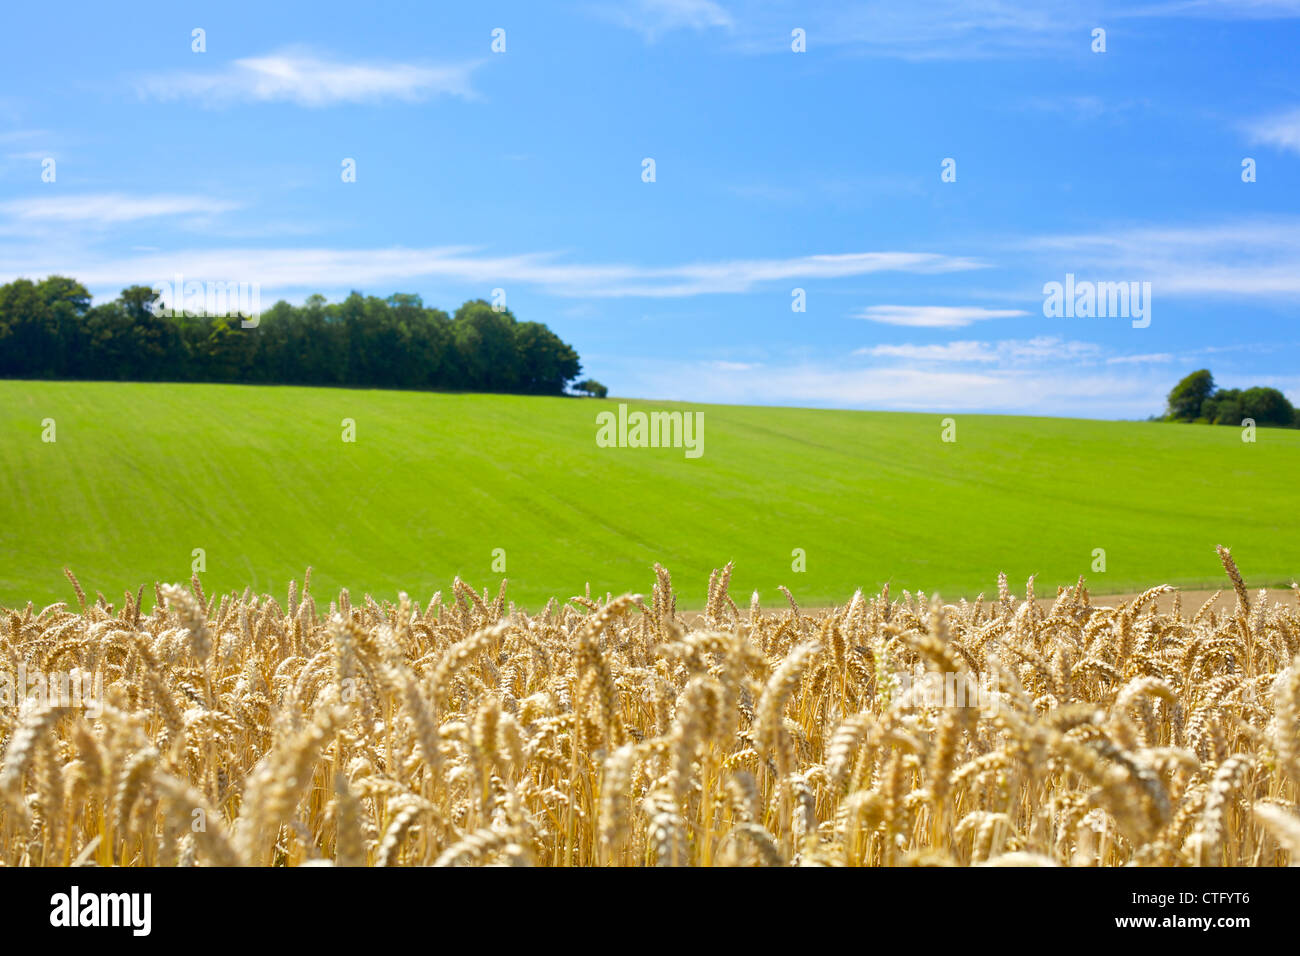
(140, 475)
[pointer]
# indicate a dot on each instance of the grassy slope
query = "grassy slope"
(259, 478)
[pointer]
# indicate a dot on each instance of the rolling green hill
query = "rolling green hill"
(140, 475)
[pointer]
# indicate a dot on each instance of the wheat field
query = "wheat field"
(617, 732)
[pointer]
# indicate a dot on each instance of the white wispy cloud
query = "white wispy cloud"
(16, 135)
(939, 29)
(933, 316)
(107, 208)
(301, 77)
(1140, 359)
(322, 269)
(951, 29)
(1243, 259)
(944, 352)
(654, 18)
(902, 29)
(1045, 375)
(1086, 106)
(1030, 389)
(1008, 351)
(1281, 130)
(1042, 352)
(1216, 9)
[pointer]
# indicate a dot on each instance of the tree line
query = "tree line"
(1197, 399)
(49, 329)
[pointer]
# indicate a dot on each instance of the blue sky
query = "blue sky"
(774, 170)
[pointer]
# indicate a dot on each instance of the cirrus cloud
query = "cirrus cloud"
(297, 76)
(109, 208)
(317, 269)
(1281, 130)
(933, 316)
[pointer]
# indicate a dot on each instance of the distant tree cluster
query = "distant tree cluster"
(49, 329)
(1196, 399)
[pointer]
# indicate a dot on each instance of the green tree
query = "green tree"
(227, 352)
(29, 341)
(486, 349)
(67, 301)
(1224, 407)
(1267, 406)
(1187, 396)
(51, 329)
(546, 364)
(589, 386)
